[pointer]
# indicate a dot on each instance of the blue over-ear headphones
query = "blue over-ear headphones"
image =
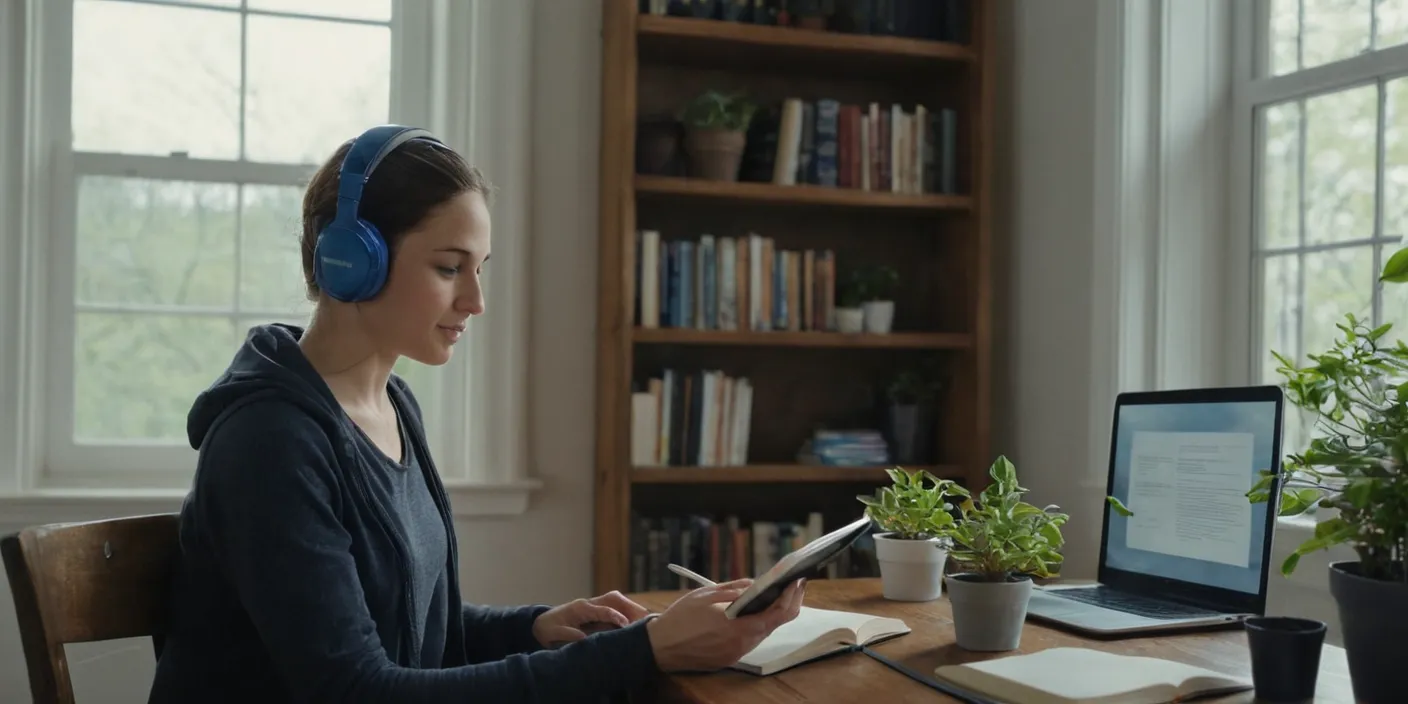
(350, 259)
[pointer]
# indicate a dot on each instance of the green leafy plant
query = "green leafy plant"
(914, 506)
(1356, 466)
(1000, 536)
(850, 293)
(877, 283)
(912, 386)
(714, 109)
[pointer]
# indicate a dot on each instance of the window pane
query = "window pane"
(1395, 196)
(1337, 282)
(1392, 23)
(1280, 305)
(1285, 36)
(1334, 30)
(1340, 153)
(135, 376)
(1281, 176)
(313, 85)
(1395, 301)
(379, 10)
(149, 79)
(142, 241)
(271, 267)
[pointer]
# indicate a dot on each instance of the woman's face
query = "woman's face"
(433, 286)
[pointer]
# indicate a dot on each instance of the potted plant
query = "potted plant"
(716, 126)
(909, 413)
(1357, 468)
(878, 300)
(911, 514)
(998, 546)
(850, 316)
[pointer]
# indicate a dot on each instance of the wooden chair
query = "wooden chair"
(84, 582)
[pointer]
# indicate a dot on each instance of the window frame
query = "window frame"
(440, 80)
(1253, 90)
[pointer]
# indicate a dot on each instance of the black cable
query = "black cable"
(952, 691)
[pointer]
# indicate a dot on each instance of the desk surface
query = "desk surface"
(854, 677)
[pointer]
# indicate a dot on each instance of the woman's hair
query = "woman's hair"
(410, 182)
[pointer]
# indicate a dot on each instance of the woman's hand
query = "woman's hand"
(571, 621)
(694, 634)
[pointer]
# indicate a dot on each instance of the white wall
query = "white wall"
(1044, 223)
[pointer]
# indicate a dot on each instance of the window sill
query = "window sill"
(467, 499)
(1313, 570)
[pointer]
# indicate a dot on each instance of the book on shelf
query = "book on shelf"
(700, 418)
(1063, 676)
(732, 283)
(896, 148)
(935, 20)
(725, 548)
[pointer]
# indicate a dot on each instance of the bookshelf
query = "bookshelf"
(752, 387)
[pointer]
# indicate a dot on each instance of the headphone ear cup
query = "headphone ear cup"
(350, 262)
(377, 259)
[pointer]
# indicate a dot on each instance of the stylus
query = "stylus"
(690, 574)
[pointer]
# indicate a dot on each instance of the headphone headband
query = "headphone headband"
(362, 158)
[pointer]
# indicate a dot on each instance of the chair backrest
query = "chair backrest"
(84, 582)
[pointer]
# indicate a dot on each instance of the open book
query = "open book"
(817, 633)
(1062, 675)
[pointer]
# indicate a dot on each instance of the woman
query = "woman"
(319, 561)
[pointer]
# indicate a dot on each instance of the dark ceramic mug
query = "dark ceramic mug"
(1285, 653)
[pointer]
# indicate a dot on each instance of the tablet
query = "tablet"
(802, 562)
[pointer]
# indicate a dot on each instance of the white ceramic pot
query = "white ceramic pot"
(850, 320)
(910, 570)
(879, 316)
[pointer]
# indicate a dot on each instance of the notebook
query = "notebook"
(816, 633)
(1064, 675)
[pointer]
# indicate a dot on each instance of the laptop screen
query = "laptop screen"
(1184, 466)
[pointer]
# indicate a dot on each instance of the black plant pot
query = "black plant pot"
(911, 429)
(1374, 619)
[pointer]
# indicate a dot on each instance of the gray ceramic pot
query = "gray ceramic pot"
(988, 616)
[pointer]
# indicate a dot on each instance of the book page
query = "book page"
(810, 625)
(1059, 675)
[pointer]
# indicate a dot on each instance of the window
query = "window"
(176, 195)
(1328, 98)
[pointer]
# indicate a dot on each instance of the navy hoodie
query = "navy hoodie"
(294, 583)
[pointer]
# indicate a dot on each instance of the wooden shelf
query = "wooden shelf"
(806, 195)
(897, 340)
(771, 473)
(690, 41)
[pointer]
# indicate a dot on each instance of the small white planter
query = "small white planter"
(910, 570)
(850, 320)
(879, 316)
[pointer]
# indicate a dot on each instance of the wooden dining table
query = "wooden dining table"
(856, 677)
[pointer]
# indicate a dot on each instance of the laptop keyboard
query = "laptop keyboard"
(1131, 603)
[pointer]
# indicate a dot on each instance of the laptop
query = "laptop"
(1195, 554)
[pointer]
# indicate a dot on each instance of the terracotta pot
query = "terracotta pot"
(714, 154)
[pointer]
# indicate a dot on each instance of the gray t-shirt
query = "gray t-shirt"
(414, 509)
